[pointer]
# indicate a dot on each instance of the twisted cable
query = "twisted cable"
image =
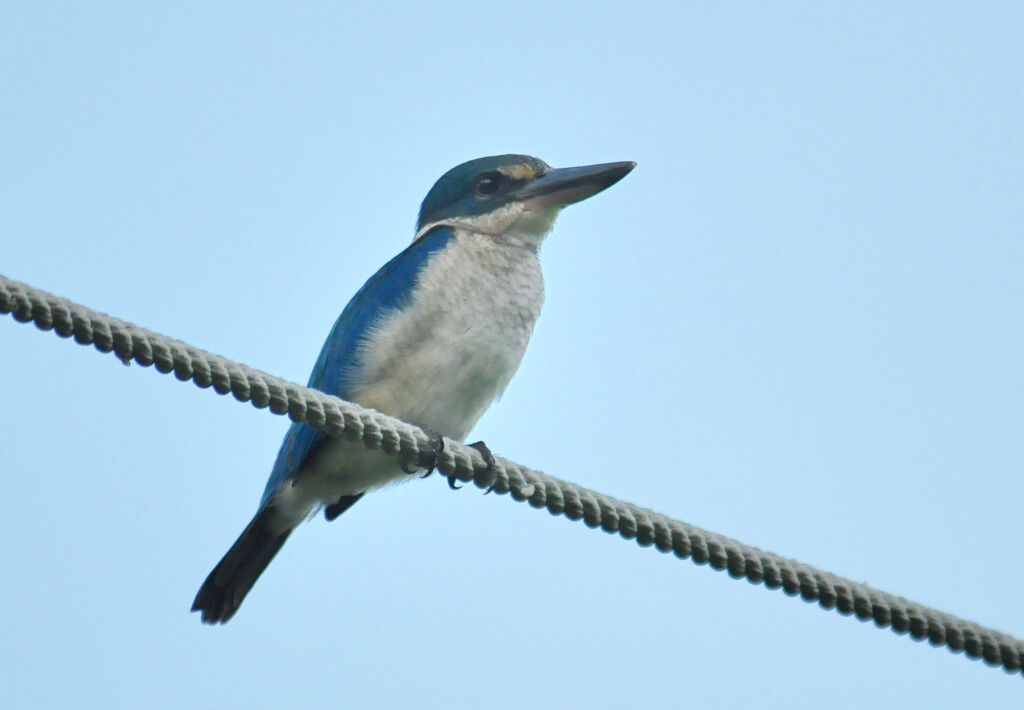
(412, 446)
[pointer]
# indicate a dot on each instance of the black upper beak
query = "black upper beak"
(559, 187)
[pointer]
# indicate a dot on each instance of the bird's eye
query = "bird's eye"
(488, 183)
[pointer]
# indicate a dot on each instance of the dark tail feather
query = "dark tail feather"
(226, 586)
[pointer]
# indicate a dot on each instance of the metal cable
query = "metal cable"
(411, 445)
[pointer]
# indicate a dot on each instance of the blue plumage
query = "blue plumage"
(432, 338)
(388, 289)
(455, 194)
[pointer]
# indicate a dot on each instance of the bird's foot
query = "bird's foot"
(339, 506)
(489, 460)
(436, 447)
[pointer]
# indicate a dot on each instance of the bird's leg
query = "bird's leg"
(489, 460)
(436, 447)
(339, 506)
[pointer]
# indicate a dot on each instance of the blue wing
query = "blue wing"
(390, 288)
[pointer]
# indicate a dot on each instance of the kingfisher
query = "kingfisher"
(432, 338)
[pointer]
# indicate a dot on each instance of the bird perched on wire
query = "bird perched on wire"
(432, 338)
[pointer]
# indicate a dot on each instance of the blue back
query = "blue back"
(388, 289)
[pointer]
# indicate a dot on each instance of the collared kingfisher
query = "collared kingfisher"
(432, 338)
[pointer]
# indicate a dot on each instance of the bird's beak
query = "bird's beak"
(559, 187)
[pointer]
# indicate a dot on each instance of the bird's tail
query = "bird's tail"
(226, 586)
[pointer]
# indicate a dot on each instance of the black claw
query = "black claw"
(436, 447)
(489, 460)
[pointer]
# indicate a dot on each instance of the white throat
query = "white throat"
(511, 223)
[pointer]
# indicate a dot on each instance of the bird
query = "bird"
(433, 338)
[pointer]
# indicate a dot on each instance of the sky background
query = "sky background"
(798, 322)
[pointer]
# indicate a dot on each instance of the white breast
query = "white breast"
(441, 361)
(438, 363)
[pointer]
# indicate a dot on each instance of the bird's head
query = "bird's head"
(512, 194)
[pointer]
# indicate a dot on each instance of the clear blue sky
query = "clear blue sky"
(798, 322)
